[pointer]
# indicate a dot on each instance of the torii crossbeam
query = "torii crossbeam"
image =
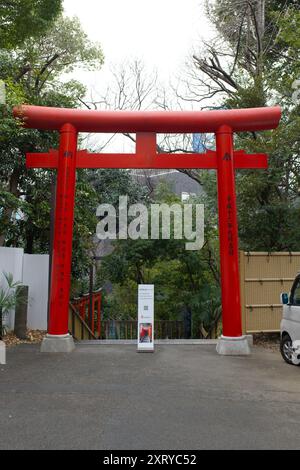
(146, 125)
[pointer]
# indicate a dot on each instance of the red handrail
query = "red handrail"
(81, 305)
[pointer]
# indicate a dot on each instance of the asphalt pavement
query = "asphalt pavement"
(179, 397)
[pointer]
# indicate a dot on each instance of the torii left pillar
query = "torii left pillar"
(58, 338)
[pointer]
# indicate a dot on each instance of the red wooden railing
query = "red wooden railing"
(89, 308)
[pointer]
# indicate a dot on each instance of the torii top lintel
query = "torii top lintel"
(238, 120)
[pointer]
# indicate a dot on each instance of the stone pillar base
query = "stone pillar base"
(233, 346)
(57, 344)
(2, 352)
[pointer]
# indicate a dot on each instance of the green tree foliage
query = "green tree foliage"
(33, 74)
(20, 19)
(8, 298)
(110, 184)
(183, 279)
(262, 51)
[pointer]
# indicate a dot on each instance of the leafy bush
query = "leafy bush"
(8, 299)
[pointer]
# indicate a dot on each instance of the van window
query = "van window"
(296, 293)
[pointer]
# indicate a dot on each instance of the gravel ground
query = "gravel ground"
(33, 337)
(270, 341)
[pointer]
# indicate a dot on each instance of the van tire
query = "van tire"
(285, 344)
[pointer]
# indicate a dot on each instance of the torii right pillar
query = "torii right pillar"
(232, 342)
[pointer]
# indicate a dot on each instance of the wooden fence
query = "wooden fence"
(263, 277)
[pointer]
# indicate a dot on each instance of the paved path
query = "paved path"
(180, 397)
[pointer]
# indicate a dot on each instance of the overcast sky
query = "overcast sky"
(162, 33)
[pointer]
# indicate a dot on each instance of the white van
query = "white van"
(290, 323)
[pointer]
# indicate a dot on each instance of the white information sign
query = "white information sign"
(146, 318)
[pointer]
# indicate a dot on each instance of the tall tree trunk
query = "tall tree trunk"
(260, 29)
(29, 241)
(7, 213)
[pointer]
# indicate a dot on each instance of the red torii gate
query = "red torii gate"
(146, 124)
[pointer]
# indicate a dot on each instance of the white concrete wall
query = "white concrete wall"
(11, 261)
(32, 271)
(35, 275)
